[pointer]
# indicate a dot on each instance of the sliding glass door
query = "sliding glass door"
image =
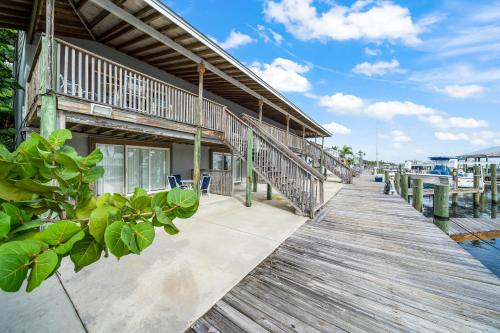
(226, 161)
(127, 167)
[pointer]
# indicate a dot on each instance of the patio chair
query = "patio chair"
(205, 185)
(173, 183)
(178, 179)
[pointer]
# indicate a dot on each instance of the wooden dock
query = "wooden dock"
(451, 191)
(461, 229)
(371, 264)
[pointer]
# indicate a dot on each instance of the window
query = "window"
(127, 167)
(226, 161)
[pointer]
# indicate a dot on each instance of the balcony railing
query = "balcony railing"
(88, 76)
(289, 139)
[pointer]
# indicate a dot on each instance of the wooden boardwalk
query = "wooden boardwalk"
(470, 228)
(372, 264)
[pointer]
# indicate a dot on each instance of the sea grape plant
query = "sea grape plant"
(48, 211)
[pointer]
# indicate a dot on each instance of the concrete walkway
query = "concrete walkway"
(172, 283)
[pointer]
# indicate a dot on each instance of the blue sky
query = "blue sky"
(425, 73)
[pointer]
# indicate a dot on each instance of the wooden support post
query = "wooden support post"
(287, 129)
(322, 157)
(386, 176)
(249, 167)
(418, 194)
(477, 178)
(304, 139)
(397, 182)
(454, 196)
(441, 206)
(255, 181)
(404, 187)
(48, 111)
(493, 179)
(261, 104)
(197, 137)
(269, 192)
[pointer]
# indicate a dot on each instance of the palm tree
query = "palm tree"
(345, 153)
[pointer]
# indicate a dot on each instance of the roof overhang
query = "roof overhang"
(150, 31)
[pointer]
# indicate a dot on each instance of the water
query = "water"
(487, 251)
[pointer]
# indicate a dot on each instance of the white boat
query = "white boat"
(466, 179)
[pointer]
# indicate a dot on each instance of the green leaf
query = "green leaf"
(93, 158)
(68, 162)
(43, 265)
(15, 258)
(4, 224)
(34, 186)
(94, 174)
(103, 200)
(59, 232)
(138, 192)
(59, 137)
(5, 167)
(68, 245)
(85, 211)
(171, 229)
(85, 252)
(13, 271)
(113, 240)
(182, 198)
(10, 193)
(159, 200)
(144, 234)
(119, 201)
(127, 236)
(99, 220)
(141, 204)
(42, 141)
(185, 213)
(28, 226)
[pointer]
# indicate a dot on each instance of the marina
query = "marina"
(370, 263)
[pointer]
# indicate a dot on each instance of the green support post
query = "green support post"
(397, 182)
(255, 181)
(322, 162)
(418, 194)
(269, 192)
(404, 187)
(477, 178)
(441, 206)
(249, 167)
(386, 175)
(494, 188)
(48, 109)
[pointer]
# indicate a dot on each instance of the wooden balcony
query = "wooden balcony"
(86, 81)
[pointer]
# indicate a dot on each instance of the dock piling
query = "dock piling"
(494, 188)
(477, 177)
(454, 196)
(441, 206)
(404, 187)
(397, 182)
(418, 194)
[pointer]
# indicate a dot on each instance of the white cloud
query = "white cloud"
(390, 109)
(380, 20)
(481, 138)
(235, 39)
(454, 122)
(378, 68)
(457, 74)
(462, 91)
(268, 34)
(337, 128)
(448, 136)
(342, 104)
(284, 75)
(372, 52)
(400, 136)
(386, 110)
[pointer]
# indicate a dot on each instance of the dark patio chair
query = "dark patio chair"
(205, 184)
(178, 179)
(172, 182)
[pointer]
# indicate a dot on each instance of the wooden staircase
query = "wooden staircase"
(332, 163)
(289, 175)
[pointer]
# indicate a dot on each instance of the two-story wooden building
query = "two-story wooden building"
(159, 98)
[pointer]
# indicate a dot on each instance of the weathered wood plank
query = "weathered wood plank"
(372, 263)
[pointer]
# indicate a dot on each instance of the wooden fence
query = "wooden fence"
(221, 182)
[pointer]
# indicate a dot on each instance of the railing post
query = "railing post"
(493, 179)
(287, 129)
(418, 194)
(322, 157)
(48, 112)
(249, 167)
(304, 139)
(197, 138)
(261, 104)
